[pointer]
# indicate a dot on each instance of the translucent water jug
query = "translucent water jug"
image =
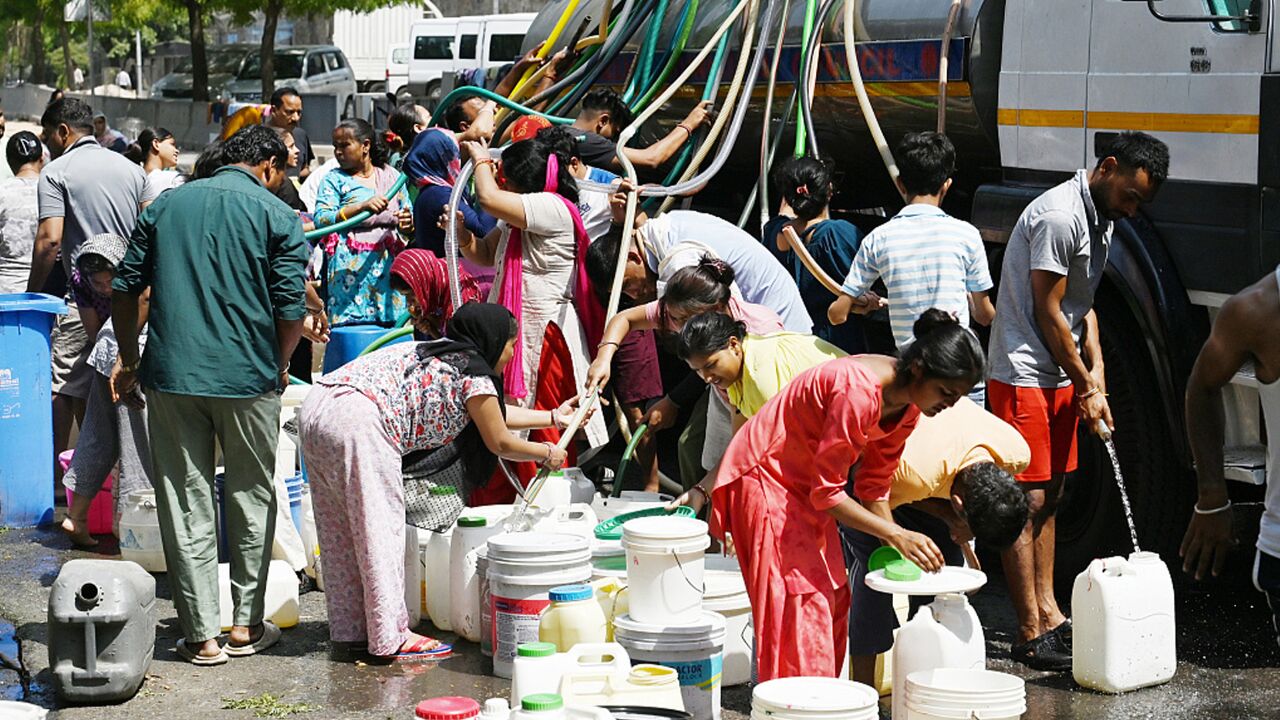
(943, 634)
(140, 539)
(1123, 624)
(102, 630)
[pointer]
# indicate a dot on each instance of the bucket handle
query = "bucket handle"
(701, 590)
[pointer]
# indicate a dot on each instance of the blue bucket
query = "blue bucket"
(295, 487)
(348, 341)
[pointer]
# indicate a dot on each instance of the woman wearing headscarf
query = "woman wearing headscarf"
(432, 164)
(424, 281)
(357, 425)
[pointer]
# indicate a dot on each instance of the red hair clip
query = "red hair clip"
(803, 190)
(390, 137)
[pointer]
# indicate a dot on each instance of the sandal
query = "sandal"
(195, 658)
(270, 636)
(1045, 653)
(1064, 634)
(424, 648)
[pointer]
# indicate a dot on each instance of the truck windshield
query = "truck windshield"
(288, 65)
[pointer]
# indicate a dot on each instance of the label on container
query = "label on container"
(515, 622)
(699, 685)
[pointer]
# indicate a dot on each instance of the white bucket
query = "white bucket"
(955, 694)
(522, 568)
(14, 710)
(814, 698)
(695, 651)
(140, 539)
(665, 568)
(726, 593)
(608, 508)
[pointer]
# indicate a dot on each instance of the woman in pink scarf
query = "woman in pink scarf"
(424, 281)
(538, 248)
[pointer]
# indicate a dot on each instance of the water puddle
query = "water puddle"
(15, 681)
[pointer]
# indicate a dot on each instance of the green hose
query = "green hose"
(401, 329)
(358, 217)
(472, 90)
(677, 48)
(626, 458)
(810, 12)
(641, 77)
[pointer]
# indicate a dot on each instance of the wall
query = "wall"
(189, 122)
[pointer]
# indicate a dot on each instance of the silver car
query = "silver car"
(309, 69)
(224, 62)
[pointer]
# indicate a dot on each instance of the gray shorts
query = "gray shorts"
(70, 347)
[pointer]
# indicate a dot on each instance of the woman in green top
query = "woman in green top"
(748, 368)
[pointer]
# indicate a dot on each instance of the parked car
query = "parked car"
(224, 62)
(398, 71)
(444, 45)
(309, 69)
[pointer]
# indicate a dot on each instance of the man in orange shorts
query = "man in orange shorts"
(1046, 361)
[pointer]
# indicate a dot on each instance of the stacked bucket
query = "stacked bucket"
(666, 623)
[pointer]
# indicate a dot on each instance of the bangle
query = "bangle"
(706, 496)
(609, 342)
(486, 161)
(1090, 393)
(1214, 511)
(550, 448)
(685, 128)
(342, 213)
(131, 367)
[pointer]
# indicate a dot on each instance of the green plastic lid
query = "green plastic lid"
(612, 529)
(536, 649)
(902, 570)
(882, 556)
(472, 521)
(443, 490)
(541, 702)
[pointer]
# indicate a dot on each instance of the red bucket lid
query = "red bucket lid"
(447, 708)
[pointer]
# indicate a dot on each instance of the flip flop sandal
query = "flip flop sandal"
(270, 636)
(197, 659)
(418, 652)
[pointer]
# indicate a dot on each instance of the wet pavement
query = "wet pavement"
(1227, 667)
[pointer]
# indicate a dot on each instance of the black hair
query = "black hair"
(55, 96)
(708, 333)
(277, 97)
(805, 183)
(700, 288)
(994, 505)
(943, 349)
(402, 122)
(363, 132)
(607, 100)
(89, 263)
(72, 112)
(134, 154)
(150, 135)
(560, 139)
(524, 165)
(455, 115)
(209, 160)
(602, 259)
(925, 161)
(253, 145)
(24, 147)
(1139, 151)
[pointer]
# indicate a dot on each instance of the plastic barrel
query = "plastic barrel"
(26, 415)
(348, 341)
(295, 488)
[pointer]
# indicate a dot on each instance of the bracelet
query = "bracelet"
(1092, 391)
(486, 161)
(706, 496)
(342, 213)
(608, 342)
(550, 448)
(131, 367)
(1214, 511)
(685, 128)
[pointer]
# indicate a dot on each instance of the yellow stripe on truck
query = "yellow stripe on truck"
(1150, 122)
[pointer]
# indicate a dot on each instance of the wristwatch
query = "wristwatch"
(131, 367)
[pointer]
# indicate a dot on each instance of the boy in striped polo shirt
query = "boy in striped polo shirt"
(926, 257)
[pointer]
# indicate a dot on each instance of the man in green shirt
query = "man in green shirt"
(225, 261)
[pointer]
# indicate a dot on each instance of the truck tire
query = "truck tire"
(432, 96)
(1090, 521)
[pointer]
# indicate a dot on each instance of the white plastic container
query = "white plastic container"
(415, 584)
(310, 540)
(522, 569)
(572, 618)
(538, 668)
(576, 519)
(608, 508)
(665, 568)
(14, 710)
(954, 694)
(281, 604)
(1123, 624)
(944, 634)
(611, 596)
(140, 539)
(694, 651)
(645, 685)
(814, 698)
(486, 602)
(469, 535)
(726, 594)
(436, 571)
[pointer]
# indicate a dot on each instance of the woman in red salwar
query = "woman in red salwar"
(781, 487)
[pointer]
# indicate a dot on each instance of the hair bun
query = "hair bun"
(932, 320)
(716, 269)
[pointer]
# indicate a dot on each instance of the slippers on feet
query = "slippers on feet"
(424, 648)
(195, 658)
(270, 636)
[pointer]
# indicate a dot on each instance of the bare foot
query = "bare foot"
(77, 532)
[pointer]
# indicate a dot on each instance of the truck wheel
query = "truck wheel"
(1090, 519)
(432, 98)
(377, 87)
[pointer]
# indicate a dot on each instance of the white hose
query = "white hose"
(766, 158)
(952, 14)
(864, 103)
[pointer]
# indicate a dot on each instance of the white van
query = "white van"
(440, 46)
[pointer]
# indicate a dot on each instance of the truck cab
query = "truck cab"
(444, 45)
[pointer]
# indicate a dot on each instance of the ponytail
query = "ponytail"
(700, 288)
(944, 349)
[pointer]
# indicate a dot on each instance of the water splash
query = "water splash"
(1124, 495)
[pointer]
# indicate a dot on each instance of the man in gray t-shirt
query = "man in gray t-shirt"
(85, 191)
(1046, 361)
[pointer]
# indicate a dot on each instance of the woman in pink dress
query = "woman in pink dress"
(781, 487)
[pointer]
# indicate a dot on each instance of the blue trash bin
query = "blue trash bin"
(348, 341)
(26, 408)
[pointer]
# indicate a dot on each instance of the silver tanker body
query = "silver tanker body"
(899, 45)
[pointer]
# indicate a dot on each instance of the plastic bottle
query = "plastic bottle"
(574, 617)
(1125, 630)
(437, 576)
(496, 709)
(470, 534)
(542, 706)
(943, 634)
(536, 669)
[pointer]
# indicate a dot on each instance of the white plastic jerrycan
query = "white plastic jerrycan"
(652, 686)
(281, 604)
(538, 668)
(943, 634)
(1123, 624)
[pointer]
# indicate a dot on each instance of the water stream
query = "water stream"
(1124, 495)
